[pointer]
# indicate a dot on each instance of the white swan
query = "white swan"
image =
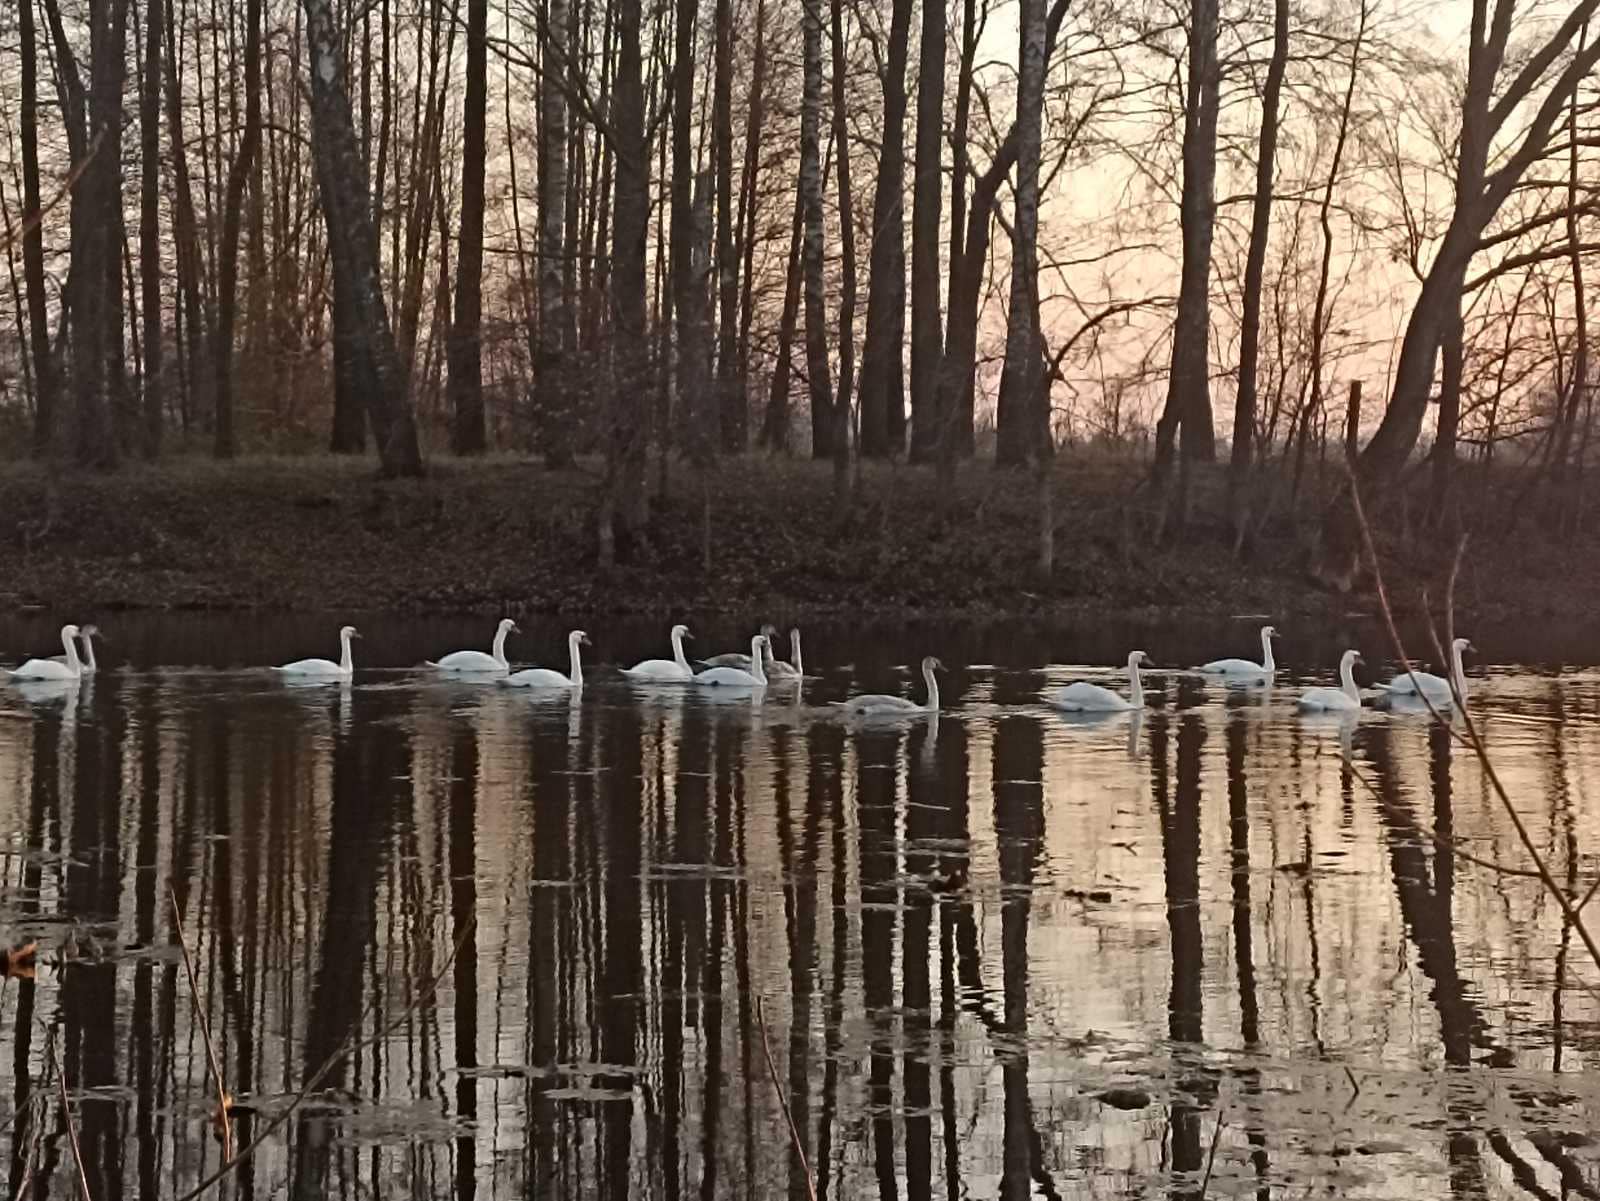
(1084, 697)
(738, 677)
(675, 668)
(1247, 671)
(1435, 688)
(326, 668)
(86, 635)
(876, 704)
(543, 677)
(795, 669)
(477, 662)
(739, 658)
(1344, 699)
(69, 668)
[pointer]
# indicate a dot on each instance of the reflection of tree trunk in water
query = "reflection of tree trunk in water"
(916, 995)
(621, 949)
(1426, 910)
(876, 755)
(1180, 852)
(1019, 829)
(954, 830)
(463, 907)
(365, 779)
(145, 930)
(549, 912)
(1244, 937)
(728, 769)
(1561, 795)
(91, 1040)
(820, 789)
(236, 995)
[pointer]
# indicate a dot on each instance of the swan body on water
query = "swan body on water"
(738, 677)
(343, 669)
(477, 662)
(1247, 671)
(1344, 699)
(543, 677)
(1084, 697)
(739, 658)
(86, 664)
(665, 670)
(1437, 689)
(68, 668)
(795, 668)
(877, 704)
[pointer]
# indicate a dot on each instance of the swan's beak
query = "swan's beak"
(584, 640)
(355, 633)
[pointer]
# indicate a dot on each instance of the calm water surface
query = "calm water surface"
(998, 954)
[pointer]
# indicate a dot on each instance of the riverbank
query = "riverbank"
(321, 533)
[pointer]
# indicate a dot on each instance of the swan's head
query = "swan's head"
(93, 631)
(769, 631)
(507, 626)
(349, 632)
(1350, 658)
(1270, 632)
(1460, 644)
(682, 631)
(70, 631)
(1140, 659)
(794, 634)
(932, 663)
(579, 638)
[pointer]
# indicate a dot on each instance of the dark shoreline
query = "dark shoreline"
(321, 534)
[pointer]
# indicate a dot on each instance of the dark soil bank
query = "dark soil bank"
(322, 534)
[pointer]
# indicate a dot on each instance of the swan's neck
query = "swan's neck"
(346, 661)
(677, 651)
(576, 675)
(1267, 665)
(799, 664)
(1347, 680)
(88, 653)
(1136, 689)
(757, 646)
(933, 689)
(70, 645)
(499, 651)
(1458, 674)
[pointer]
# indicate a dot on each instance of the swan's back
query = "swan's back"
(42, 669)
(656, 669)
(537, 677)
(1314, 699)
(1085, 697)
(1424, 682)
(728, 677)
(1233, 667)
(469, 661)
(871, 702)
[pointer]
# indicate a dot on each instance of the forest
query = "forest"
(1259, 234)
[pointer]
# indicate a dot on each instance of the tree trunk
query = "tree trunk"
(225, 445)
(1021, 434)
(1567, 418)
(957, 411)
(1188, 383)
(734, 416)
(882, 387)
(467, 431)
(748, 198)
(1244, 412)
(186, 238)
(48, 389)
(697, 409)
(1444, 445)
(347, 207)
(847, 290)
(927, 419)
(775, 424)
(811, 241)
(550, 372)
(97, 236)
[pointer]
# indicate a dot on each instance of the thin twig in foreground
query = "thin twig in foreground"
(72, 1129)
(1211, 1159)
(350, 1046)
(223, 1100)
(783, 1101)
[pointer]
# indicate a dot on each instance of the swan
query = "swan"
(1344, 699)
(70, 668)
(879, 705)
(675, 668)
(86, 635)
(739, 658)
(476, 661)
(1434, 688)
(326, 668)
(1247, 671)
(1084, 697)
(738, 677)
(795, 669)
(543, 677)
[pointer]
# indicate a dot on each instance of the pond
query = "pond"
(519, 945)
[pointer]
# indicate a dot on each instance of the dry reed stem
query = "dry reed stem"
(34, 220)
(225, 1124)
(783, 1101)
(1472, 738)
(340, 1053)
(72, 1129)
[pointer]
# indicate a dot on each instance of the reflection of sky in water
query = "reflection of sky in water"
(961, 932)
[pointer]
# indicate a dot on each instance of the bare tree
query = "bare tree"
(847, 290)
(465, 350)
(47, 403)
(927, 197)
(811, 241)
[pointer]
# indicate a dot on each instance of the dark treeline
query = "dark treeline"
(599, 228)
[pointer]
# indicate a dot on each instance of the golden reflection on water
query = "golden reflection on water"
(999, 952)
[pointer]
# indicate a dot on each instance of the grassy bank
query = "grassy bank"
(322, 533)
